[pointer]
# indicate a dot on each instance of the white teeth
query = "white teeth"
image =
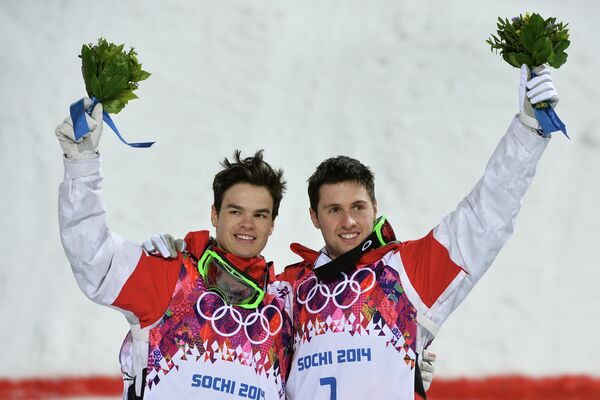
(348, 235)
(245, 237)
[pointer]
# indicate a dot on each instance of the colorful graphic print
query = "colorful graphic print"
(200, 327)
(366, 301)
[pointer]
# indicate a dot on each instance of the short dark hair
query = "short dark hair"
(336, 170)
(253, 170)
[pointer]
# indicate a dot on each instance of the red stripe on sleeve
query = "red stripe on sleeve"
(148, 291)
(429, 267)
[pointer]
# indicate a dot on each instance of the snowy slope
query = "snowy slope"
(409, 88)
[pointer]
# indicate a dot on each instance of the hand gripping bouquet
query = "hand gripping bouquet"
(534, 41)
(111, 76)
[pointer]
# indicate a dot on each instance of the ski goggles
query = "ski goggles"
(234, 286)
(378, 230)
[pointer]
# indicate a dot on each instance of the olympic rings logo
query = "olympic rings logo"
(218, 317)
(316, 298)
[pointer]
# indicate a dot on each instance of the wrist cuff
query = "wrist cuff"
(529, 122)
(80, 168)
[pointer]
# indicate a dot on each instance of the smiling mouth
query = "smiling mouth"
(246, 238)
(348, 236)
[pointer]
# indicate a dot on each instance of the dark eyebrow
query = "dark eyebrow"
(339, 205)
(263, 210)
(234, 206)
(240, 208)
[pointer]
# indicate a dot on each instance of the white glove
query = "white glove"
(427, 367)
(165, 245)
(86, 147)
(533, 91)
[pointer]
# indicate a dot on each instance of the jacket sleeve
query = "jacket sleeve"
(440, 269)
(109, 270)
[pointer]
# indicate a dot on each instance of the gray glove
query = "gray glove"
(86, 147)
(533, 91)
(427, 367)
(165, 245)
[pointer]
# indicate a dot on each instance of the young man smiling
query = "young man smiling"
(243, 219)
(366, 306)
(343, 211)
(210, 323)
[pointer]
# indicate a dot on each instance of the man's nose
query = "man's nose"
(247, 221)
(348, 220)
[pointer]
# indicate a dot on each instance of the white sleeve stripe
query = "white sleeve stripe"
(428, 324)
(394, 260)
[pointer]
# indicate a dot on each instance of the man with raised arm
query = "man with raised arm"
(210, 323)
(366, 306)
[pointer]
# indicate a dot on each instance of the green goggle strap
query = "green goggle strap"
(379, 222)
(251, 302)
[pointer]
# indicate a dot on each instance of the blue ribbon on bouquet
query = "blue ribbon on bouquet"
(81, 127)
(548, 119)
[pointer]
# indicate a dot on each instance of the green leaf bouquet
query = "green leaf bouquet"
(111, 74)
(532, 40)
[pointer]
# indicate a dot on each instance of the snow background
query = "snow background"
(409, 88)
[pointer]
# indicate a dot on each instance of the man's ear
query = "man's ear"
(272, 227)
(313, 218)
(214, 216)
